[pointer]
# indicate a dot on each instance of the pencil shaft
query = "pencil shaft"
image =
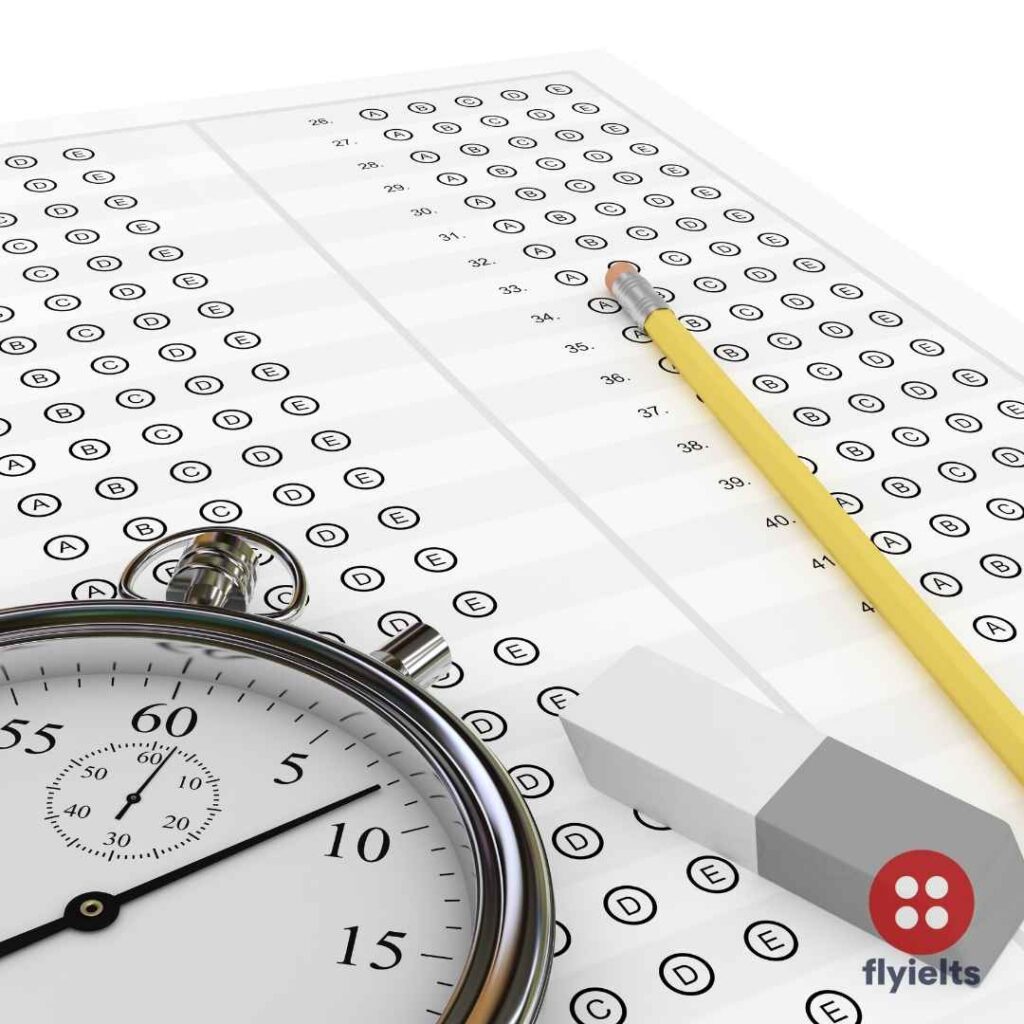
(970, 687)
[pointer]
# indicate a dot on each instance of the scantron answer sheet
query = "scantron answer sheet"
(369, 320)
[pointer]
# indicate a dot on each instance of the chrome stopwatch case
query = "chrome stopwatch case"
(213, 815)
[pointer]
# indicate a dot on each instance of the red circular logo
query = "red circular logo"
(921, 901)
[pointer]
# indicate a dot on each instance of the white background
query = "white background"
(909, 113)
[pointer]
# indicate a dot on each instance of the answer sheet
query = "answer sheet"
(369, 319)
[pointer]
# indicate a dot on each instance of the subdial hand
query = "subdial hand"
(92, 911)
(134, 798)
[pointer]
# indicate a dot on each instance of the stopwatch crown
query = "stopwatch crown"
(216, 570)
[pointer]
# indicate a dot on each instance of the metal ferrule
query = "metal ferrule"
(637, 296)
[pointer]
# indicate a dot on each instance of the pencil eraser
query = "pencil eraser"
(823, 820)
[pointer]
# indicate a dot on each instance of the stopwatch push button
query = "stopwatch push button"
(419, 653)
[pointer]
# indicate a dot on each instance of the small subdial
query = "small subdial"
(133, 800)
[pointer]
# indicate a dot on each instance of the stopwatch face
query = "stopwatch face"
(172, 796)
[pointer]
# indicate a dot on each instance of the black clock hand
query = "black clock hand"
(33, 935)
(229, 851)
(134, 798)
(92, 911)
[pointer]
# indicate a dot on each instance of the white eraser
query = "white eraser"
(690, 752)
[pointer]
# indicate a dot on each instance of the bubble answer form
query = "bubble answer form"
(368, 318)
(801, 809)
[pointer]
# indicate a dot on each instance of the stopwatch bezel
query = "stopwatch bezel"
(506, 974)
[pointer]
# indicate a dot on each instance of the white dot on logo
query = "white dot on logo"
(906, 917)
(936, 887)
(936, 917)
(906, 887)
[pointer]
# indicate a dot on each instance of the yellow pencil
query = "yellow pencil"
(969, 686)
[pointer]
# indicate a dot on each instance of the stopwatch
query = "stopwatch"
(212, 815)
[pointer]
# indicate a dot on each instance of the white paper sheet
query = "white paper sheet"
(399, 282)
